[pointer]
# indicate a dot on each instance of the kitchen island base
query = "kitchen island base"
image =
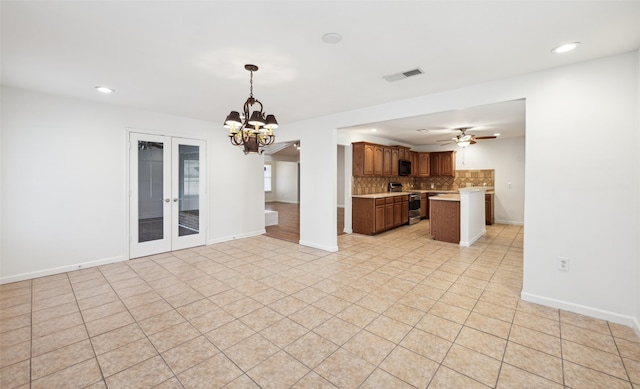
(445, 221)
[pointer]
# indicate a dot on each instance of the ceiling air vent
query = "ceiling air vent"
(403, 75)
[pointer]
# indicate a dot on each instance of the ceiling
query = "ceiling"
(505, 118)
(187, 57)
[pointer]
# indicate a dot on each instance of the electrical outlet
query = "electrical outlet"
(563, 263)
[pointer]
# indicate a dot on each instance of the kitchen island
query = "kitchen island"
(458, 218)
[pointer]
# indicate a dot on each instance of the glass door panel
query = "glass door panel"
(188, 193)
(150, 191)
(189, 190)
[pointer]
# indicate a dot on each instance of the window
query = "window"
(267, 178)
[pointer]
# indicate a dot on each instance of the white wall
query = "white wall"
(64, 182)
(286, 181)
(507, 158)
(272, 195)
(567, 212)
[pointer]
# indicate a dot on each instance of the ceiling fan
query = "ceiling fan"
(464, 139)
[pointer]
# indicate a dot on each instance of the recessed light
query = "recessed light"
(332, 37)
(496, 134)
(373, 130)
(422, 130)
(104, 89)
(565, 47)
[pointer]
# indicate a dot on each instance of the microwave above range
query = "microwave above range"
(404, 167)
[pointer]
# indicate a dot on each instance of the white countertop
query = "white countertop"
(446, 197)
(381, 195)
(488, 189)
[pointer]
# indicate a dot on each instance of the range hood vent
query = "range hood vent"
(403, 75)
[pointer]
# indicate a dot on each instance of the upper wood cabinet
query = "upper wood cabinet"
(370, 159)
(424, 165)
(395, 156)
(413, 157)
(386, 161)
(363, 155)
(403, 153)
(373, 160)
(378, 160)
(443, 163)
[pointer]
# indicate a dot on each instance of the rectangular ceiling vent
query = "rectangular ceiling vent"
(403, 75)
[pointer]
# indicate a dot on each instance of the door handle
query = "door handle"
(175, 200)
(166, 200)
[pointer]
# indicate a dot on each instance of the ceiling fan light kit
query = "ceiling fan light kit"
(463, 140)
(251, 131)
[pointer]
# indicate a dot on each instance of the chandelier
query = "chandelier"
(252, 130)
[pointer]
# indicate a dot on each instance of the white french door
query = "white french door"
(167, 207)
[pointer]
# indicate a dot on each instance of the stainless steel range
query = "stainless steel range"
(414, 208)
(414, 202)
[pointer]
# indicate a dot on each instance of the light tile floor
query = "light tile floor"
(391, 311)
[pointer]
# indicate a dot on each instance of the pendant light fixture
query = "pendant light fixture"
(252, 130)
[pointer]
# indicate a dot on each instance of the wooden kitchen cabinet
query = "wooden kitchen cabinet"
(378, 224)
(386, 161)
(388, 212)
(424, 163)
(370, 160)
(413, 157)
(363, 159)
(404, 211)
(444, 220)
(488, 209)
(371, 216)
(397, 211)
(378, 160)
(403, 153)
(395, 156)
(443, 163)
(424, 206)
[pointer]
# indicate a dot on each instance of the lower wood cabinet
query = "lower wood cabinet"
(371, 216)
(488, 209)
(444, 220)
(424, 206)
(388, 212)
(404, 211)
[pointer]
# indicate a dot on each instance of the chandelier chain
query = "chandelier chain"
(251, 84)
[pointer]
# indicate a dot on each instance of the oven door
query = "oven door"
(414, 208)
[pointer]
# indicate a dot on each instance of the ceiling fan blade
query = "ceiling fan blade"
(485, 137)
(473, 142)
(448, 143)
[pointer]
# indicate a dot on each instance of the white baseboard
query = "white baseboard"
(472, 240)
(331, 249)
(583, 310)
(348, 230)
(514, 223)
(234, 237)
(61, 269)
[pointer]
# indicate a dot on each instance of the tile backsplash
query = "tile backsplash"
(463, 178)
